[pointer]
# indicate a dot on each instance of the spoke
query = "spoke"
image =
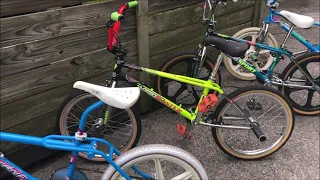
(117, 132)
(264, 51)
(180, 90)
(270, 120)
(74, 109)
(309, 98)
(266, 112)
(83, 111)
(119, 124)
(189, 69)
(249, 133)
(256, 65)
(183, 97)
(75, 116)
(73, 125)
(291, 90)
(158, 169)
(117, 114)
(236, 67)
(195, 95)
(185, 175)
(275, 126)
(254, 39)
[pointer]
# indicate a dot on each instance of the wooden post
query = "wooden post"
(257, 13)
(143, 50)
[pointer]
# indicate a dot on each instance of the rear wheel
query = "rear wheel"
(304, 101)
(184, 64)
(269, 110)
(122, 129)
(264, 58)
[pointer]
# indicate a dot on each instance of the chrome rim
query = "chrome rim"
(273, 119)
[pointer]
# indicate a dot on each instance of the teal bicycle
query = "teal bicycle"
(262, 35)
(299, 81)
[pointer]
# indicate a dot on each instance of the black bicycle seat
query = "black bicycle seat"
(232, 48)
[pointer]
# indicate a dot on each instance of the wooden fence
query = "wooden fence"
(44, 53)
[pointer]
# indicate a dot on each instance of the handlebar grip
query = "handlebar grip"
(132, 4)
(115, 16)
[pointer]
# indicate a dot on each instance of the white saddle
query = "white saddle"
(298, 20)
(121, 98)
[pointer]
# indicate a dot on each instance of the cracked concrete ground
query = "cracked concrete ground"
(298, 159)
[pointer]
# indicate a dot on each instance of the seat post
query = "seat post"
(289, 33)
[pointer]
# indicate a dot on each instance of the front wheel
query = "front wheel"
(160, 161)
(184, 64)
(122, 128)
(264, 58)
(304, 101)
(268, 108)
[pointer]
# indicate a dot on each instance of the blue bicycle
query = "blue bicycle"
(168, 162)
(299, 81)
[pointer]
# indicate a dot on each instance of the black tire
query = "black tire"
(178, 61)
(79, 95)
(240, 95)
(297, 100)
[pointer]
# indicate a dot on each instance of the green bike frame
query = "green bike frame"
(207, 85)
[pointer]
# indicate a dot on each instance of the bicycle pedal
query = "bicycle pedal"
(208, 103)
(182, 131)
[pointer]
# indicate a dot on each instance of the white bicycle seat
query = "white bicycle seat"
(121, 98)
(298, 20)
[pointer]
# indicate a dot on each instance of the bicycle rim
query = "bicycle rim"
(274, 118)
(160, 166)
(120, 130)
(304, 101)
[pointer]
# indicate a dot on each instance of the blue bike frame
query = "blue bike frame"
(65, 143)
(272, 18)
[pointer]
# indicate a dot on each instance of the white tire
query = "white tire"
(157, 154)
(264, 56)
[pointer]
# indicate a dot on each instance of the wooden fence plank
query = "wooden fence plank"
(21, 58)
(14, 7)
(171, 20)
(156, 6)
(53, 23)
(143, 50)
(34, 81)
(40, 126)
(257, 12)
(18, 112)
(163, 41)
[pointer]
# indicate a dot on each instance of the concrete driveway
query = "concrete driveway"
(298, 159)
